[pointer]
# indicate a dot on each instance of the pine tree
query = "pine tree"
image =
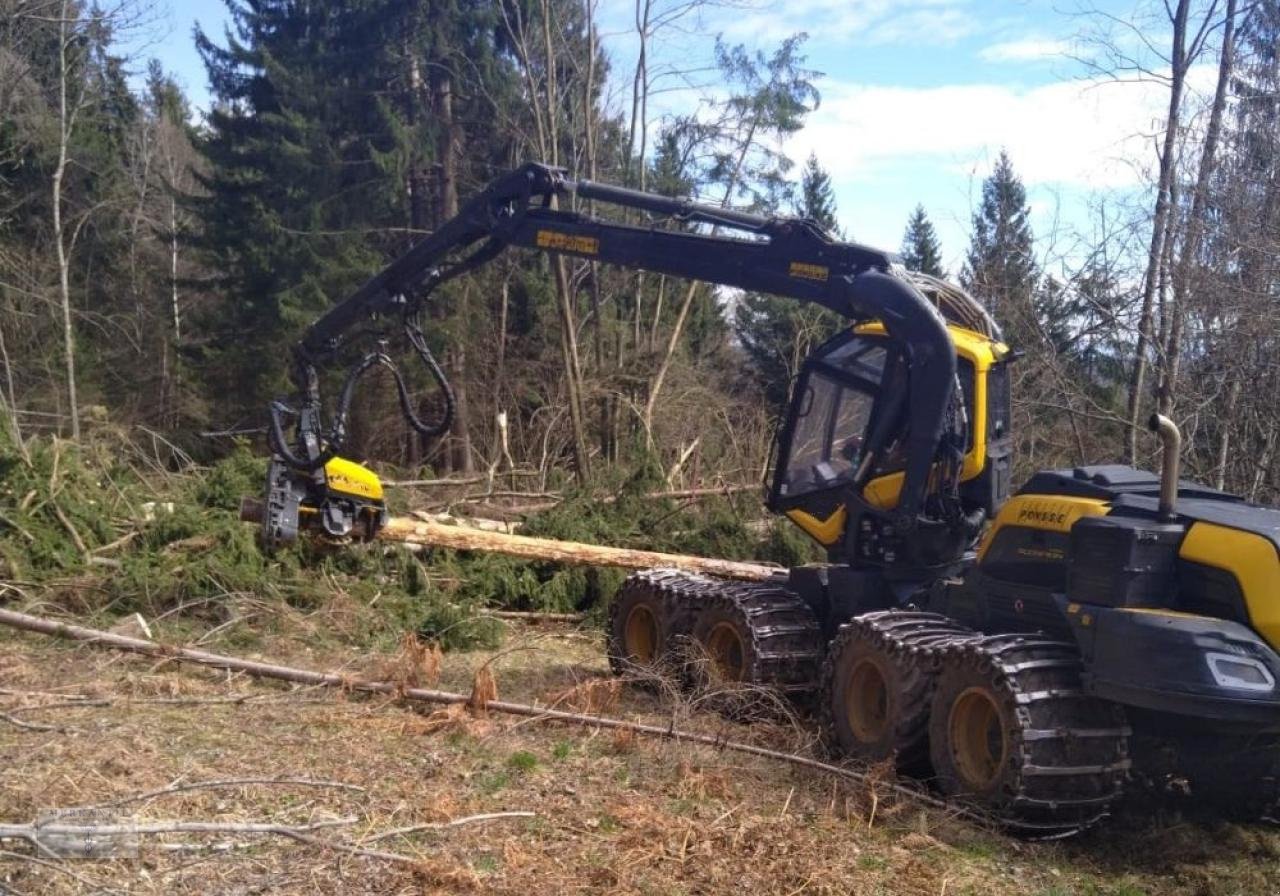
(1000, 269)
(778, 333)
(921, 250)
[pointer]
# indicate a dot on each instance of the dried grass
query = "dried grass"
(615, 814)
(596, 696)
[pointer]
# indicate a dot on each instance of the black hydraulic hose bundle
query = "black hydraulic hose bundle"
(318, 456)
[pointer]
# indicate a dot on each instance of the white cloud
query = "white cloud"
(1027, 49)
(1091, 134)
(868, 22)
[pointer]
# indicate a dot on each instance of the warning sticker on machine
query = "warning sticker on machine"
(807, 271)
(567, 242)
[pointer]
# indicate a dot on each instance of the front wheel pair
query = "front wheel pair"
(999, 722)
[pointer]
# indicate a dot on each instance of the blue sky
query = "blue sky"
(919, 96)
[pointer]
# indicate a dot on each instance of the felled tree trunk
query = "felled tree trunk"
(463, 538)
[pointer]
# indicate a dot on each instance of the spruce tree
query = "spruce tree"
(817, 197)
(921, 250)
(1000, 269)
(321, 149)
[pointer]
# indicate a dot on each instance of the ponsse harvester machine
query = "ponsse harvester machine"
(1025, 652)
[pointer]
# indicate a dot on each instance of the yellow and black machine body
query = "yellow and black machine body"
(839, 472)
(1018, 650)
(1175, 610)
(340, 499)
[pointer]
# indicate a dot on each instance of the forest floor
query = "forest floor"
(611, 813)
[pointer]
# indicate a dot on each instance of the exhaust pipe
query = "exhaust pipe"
(1171, 438)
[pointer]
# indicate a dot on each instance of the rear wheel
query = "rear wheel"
(722, 653)
(726, 645)
(640, 630)
(750, 645)
(1012, 732)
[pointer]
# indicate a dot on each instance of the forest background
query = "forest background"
(156, 262)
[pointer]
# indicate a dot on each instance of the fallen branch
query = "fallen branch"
(534, 616)
(237, 700)
(66, 524)
(423, 695)
(441, 825)
(230, 782)
(29, 726)
(33, 832)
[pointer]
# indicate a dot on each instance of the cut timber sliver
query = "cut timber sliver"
(404, 530)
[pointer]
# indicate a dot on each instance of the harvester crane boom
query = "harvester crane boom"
(791, 257)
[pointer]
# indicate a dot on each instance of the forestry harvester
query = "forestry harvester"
(1016, 647)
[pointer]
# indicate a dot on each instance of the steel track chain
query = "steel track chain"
(1070, 749)
(785, 639)
(907, 637)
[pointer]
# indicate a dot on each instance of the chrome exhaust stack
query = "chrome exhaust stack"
(1171, 438)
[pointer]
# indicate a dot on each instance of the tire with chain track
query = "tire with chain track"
(1012, 733)
(752, 642)
(758, 634)
(877, 684)
(643, 631)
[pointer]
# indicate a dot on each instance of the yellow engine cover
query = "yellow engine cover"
(1252, 559)
(346, 477)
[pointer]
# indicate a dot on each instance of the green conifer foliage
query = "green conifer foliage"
(1001, 269)
(921, 250)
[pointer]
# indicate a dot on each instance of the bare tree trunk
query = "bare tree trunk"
(1192, 242)
(544, 100)
(573, 367)
(173, 268)
(1224, 441)
(66, 119)
(459, 448)
(677, 330)
(12, 409)
(568, 317)
(1263, 466)
(500, 368)
(639, 130)
(597, 305)
(1159, 224)
(639, 89)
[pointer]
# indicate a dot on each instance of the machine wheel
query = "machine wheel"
(1012, 732)
(641, 635)
(877, 683)
(751, 636)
